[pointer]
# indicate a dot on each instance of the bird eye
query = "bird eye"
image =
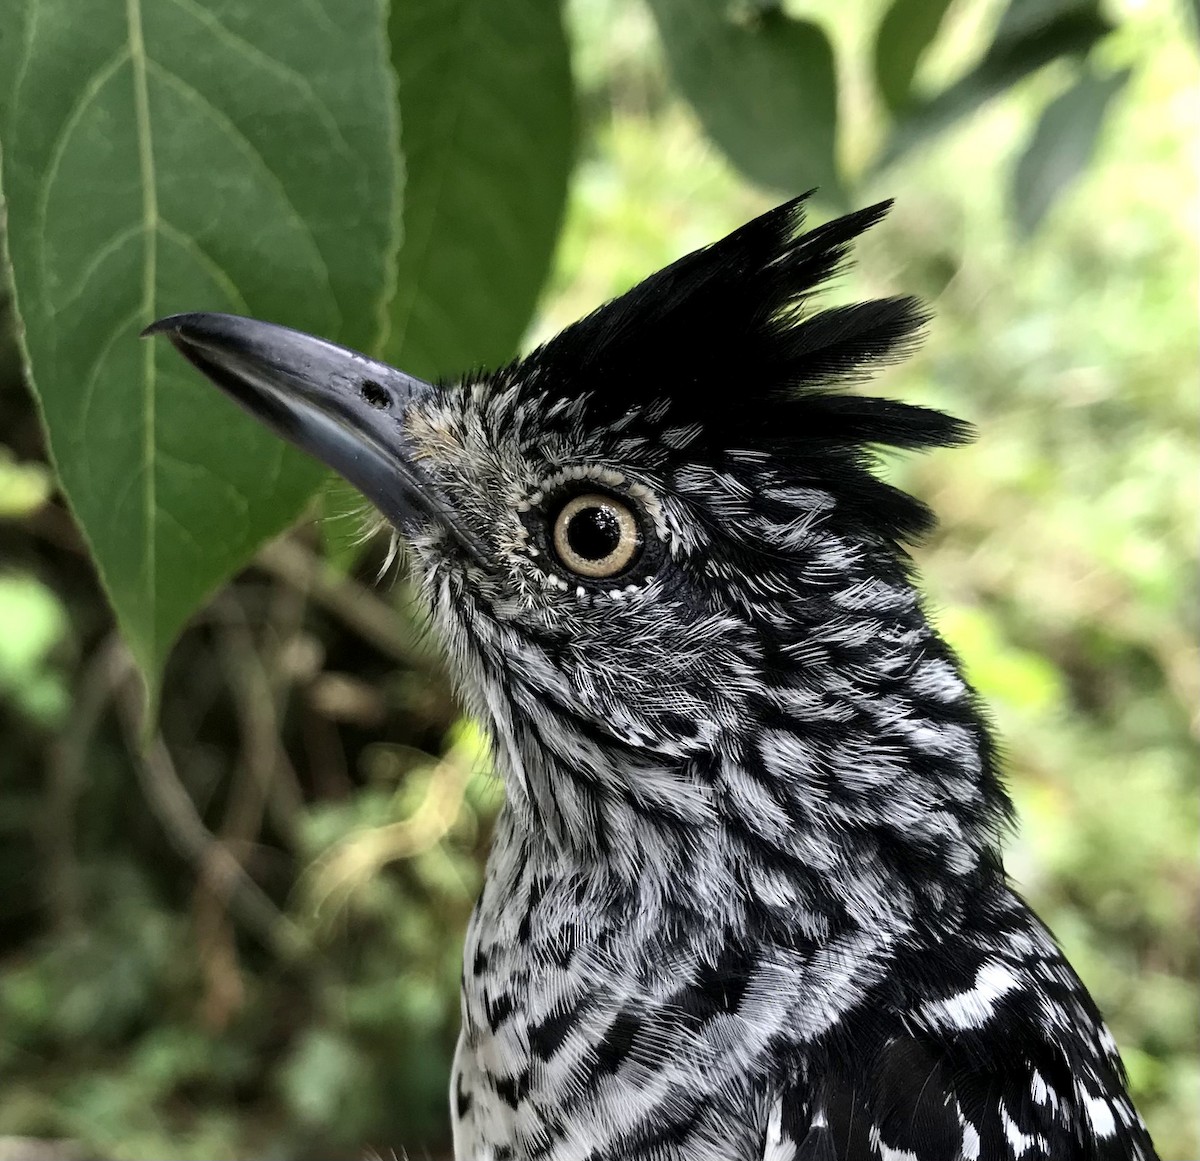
(596, 535)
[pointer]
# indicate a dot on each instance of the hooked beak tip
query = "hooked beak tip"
(190, 325)
(170, 324)
(336, 404)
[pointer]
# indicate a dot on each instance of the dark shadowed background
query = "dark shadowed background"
(235, 931)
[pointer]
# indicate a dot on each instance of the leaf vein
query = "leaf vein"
(92, 377)
(58, 147)
(98, 258)
(264, 60)
(220, 483)
(145, 144)
(219, 274)
(193, 94)
(26, 58)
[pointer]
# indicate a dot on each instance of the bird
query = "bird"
(745, 899)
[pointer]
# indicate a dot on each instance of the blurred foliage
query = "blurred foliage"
(242, 940)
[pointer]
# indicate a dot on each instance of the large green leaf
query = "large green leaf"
(487, 109)
(763, 85)
(1061, 146)
(905, 32)
(1030, 34)
(186, 155)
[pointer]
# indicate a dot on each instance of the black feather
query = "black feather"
(727, 331)
(727, 338)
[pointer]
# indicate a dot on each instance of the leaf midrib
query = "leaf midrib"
(145, 145)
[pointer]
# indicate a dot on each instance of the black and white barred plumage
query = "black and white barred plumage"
(745, 900)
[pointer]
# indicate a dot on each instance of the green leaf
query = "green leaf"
(343, 515)
(1030, 35)
(186, 155)
(32, 623)
(905, 32)
(1061, 146)
(1007, 676)
(764, 87)
(488, 125)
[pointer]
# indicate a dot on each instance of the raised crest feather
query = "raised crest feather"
(728, 342)
(731, 335)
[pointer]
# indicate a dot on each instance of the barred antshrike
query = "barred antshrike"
(745, 900)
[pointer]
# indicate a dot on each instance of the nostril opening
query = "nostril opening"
(374, 394)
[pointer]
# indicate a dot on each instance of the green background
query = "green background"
(290, 989)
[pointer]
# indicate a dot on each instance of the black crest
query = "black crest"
(729, 337)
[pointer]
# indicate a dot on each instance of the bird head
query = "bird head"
(658, 555)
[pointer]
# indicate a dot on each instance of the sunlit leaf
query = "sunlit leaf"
(1061, 146)
(904, 33)
(186, 156)
(1008, 677)
(487, 113)
(24, 488)
(1030, 35)
(32, 623)
(764, 87)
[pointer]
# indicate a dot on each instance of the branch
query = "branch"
(173, 807)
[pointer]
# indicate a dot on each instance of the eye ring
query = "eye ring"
(596, 535)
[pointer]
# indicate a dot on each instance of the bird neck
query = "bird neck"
(855, 785)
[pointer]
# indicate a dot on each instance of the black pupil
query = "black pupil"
(594, 533)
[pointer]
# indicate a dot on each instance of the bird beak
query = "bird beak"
(339, 406)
